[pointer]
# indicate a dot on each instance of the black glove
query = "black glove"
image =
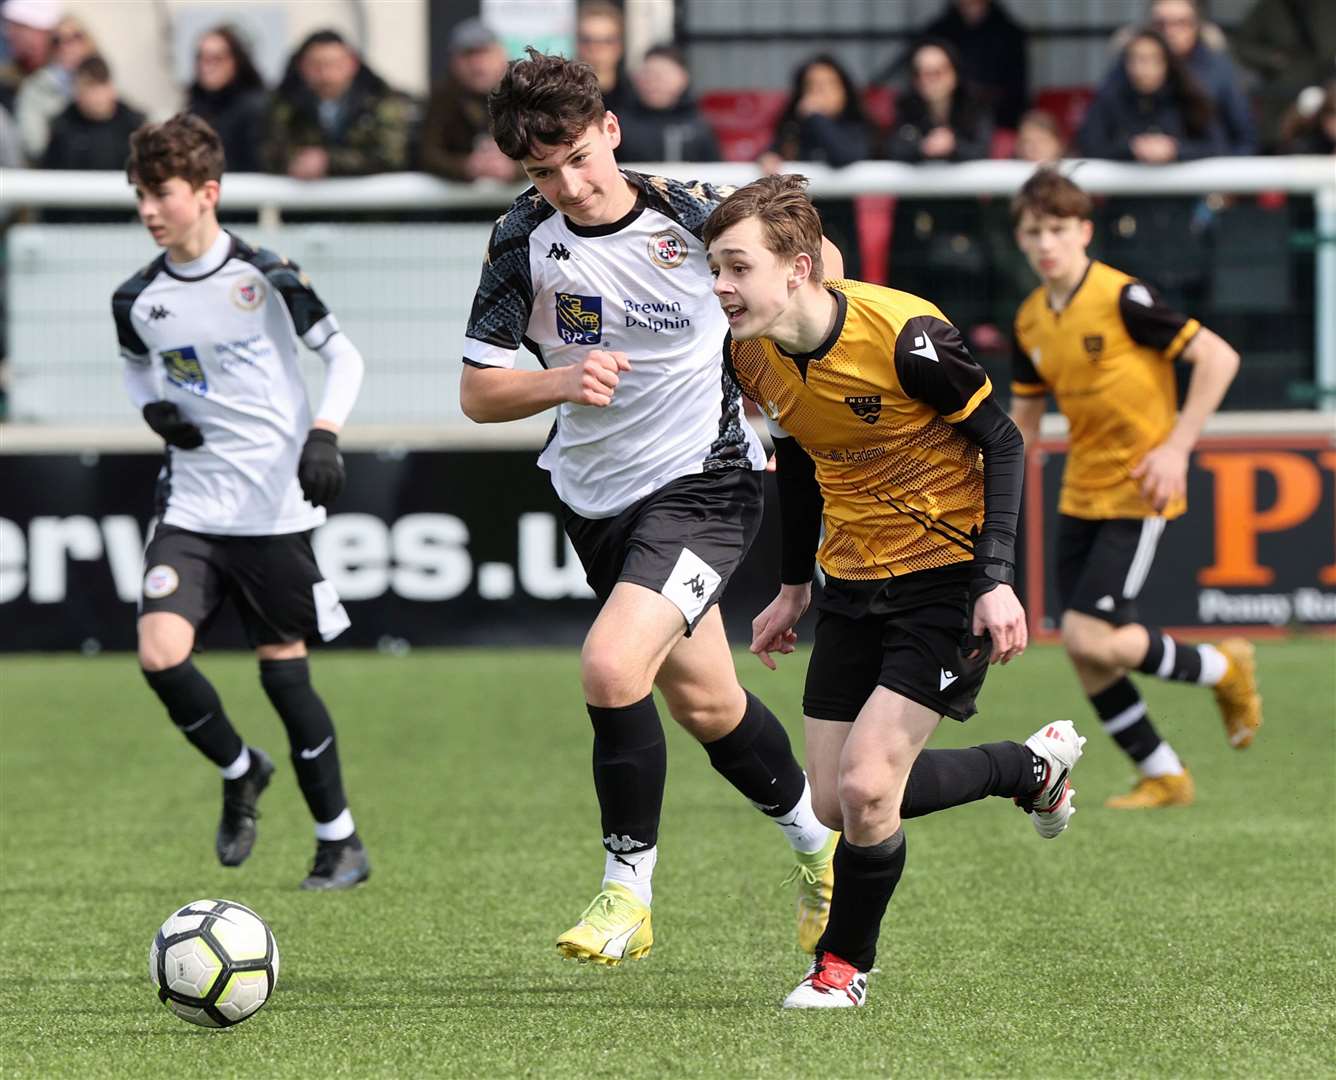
(166, 419)
(320, 471)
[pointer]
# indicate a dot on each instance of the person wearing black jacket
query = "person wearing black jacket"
(1159, 114)
(94, 131)
(993, 57)
(665, 123)
(940, 119)
(229, 95)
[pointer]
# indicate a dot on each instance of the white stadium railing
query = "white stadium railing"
(404, 290)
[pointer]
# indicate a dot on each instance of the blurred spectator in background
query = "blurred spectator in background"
(1039, 138)
(1202, 48)
(47, 92)
(229, 95)
(28, 29)
(665, 123)
(1310, 125)
(599, 43)
(11, 150)
(333, 116)
(456, 141)
(1291, 44)
(940, 119)
(993, 55)
(1157, 114)
(823, 119)
(94, 130)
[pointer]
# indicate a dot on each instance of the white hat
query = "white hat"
(39, 14)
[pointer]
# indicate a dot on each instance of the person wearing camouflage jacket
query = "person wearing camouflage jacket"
(332, 115)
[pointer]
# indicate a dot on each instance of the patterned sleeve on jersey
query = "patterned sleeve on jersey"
(1025, 378)
(310, 318)
(935, 367)
(499, 319)
(690, 203)
(1152, 323)
(123, 299)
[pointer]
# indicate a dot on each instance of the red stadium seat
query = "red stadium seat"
(1067, 105)
(743, 120)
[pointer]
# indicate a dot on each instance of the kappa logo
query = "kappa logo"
(616, 844)
(183, 369)
(156, 312)
(558, 252)
(923, 347)
(667, 249)
(697, 586)
(248, 293)
(1094, 346)
(948, 677)
(579, 319)
(867, 408)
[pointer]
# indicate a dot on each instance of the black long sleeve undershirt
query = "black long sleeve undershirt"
(992, 430)
(800, 509)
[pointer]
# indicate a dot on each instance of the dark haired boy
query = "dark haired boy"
(879, 415)
(209, 332)
(601, 273)
(1104, 344)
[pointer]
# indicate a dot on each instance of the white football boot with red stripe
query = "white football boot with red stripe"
(830, 983)
(1059, 746)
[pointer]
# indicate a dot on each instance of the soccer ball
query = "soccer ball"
(214, 963)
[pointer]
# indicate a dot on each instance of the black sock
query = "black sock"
(756, 758)
(630, 766)
(195, 708)
(865, 878)
(315, 755)
(941, 779)
(1123, 715)
(1171, 659)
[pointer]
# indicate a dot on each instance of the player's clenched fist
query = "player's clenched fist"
(594, 380)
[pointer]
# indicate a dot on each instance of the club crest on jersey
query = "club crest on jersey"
(161, 581)
(579, 319)
(667, 249)
(1094, 346)
(866, 408)
(248, 293)
(183, 369)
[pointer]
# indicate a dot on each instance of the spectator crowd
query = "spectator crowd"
(960, 91)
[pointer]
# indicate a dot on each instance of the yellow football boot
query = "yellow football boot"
(1156, 792)
(615, 927)
(815, 875)
(1236, 694)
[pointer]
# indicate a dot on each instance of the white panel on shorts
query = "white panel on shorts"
(330, 617)
(691, 584)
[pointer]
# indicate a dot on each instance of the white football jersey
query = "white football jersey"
(225, 344)
(639, 286)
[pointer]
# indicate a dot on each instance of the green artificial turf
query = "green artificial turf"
(1189, 942)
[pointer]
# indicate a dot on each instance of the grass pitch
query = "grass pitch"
(1178, 943)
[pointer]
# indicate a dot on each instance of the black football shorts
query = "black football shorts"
(274, 581)
(1103, 564)
(683, 541)
(909, 634)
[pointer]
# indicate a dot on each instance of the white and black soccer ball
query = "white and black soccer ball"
(214, 963)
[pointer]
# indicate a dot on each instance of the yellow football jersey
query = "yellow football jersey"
(1107, 357)
(874, 408)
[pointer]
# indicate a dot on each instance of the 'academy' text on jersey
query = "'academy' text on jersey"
(874, 407)
(227, 355)
(640, 286)
(1108, 359)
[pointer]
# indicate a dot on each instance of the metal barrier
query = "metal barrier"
(62, 347)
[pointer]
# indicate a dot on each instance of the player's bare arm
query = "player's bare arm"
(494, 395)
(1163, 472)
(772, 629)
(1026, 414)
